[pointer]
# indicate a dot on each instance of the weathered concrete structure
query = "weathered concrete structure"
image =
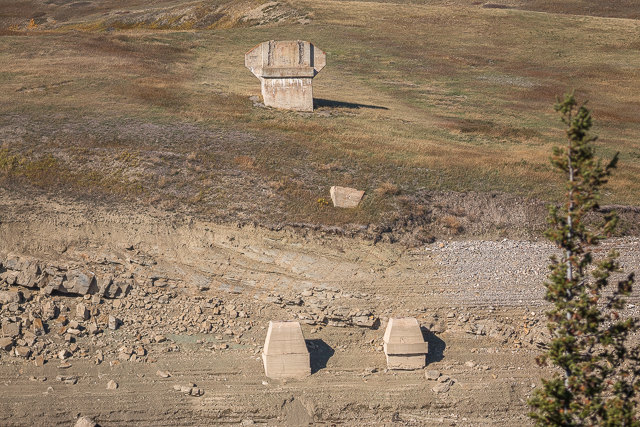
(285, 70)
(345, 197)
(404, 345)
(285, 353)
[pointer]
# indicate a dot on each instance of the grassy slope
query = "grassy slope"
(414, 97)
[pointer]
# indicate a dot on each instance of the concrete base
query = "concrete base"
(288, 93)
(403, 344)
(406, 362)
(285, 353)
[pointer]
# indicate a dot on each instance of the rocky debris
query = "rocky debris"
(163, 374)
(431, 375)
(442, 387)
(49, 277)
(112, 385)
(189, 390)
(67, 379)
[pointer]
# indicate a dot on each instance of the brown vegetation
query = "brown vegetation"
(163, 116)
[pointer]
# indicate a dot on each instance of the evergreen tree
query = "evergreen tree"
(599, 377)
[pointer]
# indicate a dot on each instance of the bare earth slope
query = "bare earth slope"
(210, 290)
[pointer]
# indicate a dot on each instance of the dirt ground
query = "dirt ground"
(200, 299)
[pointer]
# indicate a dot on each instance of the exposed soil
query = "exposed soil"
(211, 289)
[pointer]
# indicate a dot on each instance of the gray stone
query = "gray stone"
(6, 344)
(113, 323)
(11, 330)
(286, 70)
(8, 297)
(365, 321)
(82, 312)
(50, 311)
(77, 282)
(23, 351)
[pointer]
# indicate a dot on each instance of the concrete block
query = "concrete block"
(285, 70)
(285, 353)
(404, 345)
(345, 197)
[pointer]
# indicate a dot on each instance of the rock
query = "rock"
(85, 422)
(37, 327)
(77, 282)
(442, 387)
(11, 330)
(470, 364)
(365, 321)
(112, 385)
(163, 374)
(81, 312)
(23, 351)
(432, 375)
(345, 197)
(93, 329)
(6, 343)
(63, 354)
(160, 338)
(38, 361)
(67, 380)
(8, 297)
(50, 311)
(29, 338)
(113, 323)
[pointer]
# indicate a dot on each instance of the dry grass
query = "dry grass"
(414, 97)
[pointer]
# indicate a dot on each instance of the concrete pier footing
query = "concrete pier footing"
(404, 345)
(285, 353)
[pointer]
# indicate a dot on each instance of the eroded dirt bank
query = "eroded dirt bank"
(201, 296)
